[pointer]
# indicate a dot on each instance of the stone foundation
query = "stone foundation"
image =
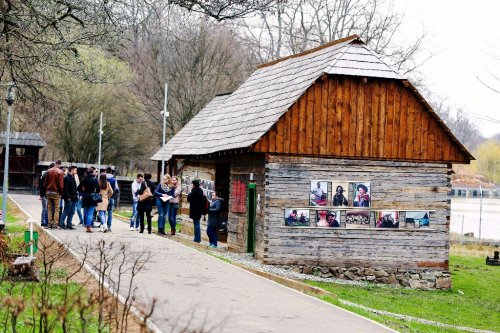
(417, 279)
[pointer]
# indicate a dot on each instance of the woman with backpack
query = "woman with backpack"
(146, 199)
(88, 188)
(102, 207)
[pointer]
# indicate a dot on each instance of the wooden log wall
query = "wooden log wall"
(342, 116)
(394, 186)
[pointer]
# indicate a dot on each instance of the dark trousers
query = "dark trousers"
(140, 213)
(212, 235)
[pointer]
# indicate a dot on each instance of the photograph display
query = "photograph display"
(340, 194)
(319, 193)
(208, 186)
(296, 217)
(186, 184)
(327, 219)
(357, 219)
(416, 220)
(387, 219)
(361, 195)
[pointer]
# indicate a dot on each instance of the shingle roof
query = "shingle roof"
(23, 139)
(240, 119)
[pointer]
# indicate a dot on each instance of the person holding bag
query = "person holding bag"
(106, 193)
(145, 204)
(174, 204)
(89, 189)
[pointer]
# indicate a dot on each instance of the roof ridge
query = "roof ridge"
(335, 42)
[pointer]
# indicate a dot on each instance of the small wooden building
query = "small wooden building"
(333, 122)
(23, 158)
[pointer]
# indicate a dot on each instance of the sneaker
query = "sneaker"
(70, 228)
(137, 229)
(213, 246)
(132, 229)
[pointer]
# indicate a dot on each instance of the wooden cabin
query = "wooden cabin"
(303, 131)
(23, 159)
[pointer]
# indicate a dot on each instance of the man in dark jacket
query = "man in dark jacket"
(54, 189)
(70, 197)
(214, 218)
(145, 206)
(44, 220)
(197, 202)
(88, 186)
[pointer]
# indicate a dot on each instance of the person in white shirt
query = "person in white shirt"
(136, 185)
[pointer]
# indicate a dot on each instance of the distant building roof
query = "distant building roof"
(239, 119)
(23, 139)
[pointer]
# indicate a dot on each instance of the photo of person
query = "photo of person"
(319, 193)
(327, 219)
(357, 219)
(362, 195)
(387, 219)
(340, 194)
(417, 219)
(296, 218)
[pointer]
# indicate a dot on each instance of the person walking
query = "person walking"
(196, 201)
(174, 204)
(136, 185)
(145, 205)
(87, 187)
(54, 189)
(163, 196)
(70, 197)
(44, 220)
(79, 201)
(213, 219)
(106, 193)
(112, 200)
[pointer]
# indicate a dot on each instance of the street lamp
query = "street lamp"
(165, 115)
(10, 101)
(100, 144)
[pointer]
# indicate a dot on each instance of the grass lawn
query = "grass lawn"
(474, 300)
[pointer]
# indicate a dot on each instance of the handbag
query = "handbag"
(146, 194)
(96, 198)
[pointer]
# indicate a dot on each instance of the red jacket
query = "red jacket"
(54, 180)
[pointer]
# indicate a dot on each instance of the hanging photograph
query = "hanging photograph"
(296, 217)
(416, 220)
(328, 219)
(361, 194)
(186, 184)
(387, 219)
(319, 193)
(357, 219)
(340, 194)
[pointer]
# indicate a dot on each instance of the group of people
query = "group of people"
(62, 194)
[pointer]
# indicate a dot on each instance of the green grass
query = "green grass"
(477, 307)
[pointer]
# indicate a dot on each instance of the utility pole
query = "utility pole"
(480, 210)
(165, 115)
(10, 101)
(100, 144)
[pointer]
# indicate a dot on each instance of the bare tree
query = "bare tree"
(225, 10)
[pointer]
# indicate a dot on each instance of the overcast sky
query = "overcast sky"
(464, 34)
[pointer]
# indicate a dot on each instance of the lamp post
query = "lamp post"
(10, 101)
(100, 144)
(165, 115)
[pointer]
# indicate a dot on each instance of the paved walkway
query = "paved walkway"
(196, 290)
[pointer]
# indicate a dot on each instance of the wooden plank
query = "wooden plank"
(310, 121)
(403, 130)
(425, 134)
(324, 125)
(264, 143)
(279, 136)
(410, 146)
(397, 120)
(382, 119)
(294, 128)
(375, 118)
(368, 120)
(330, 141)
(286, 135)
(361, 109)
(389, 124)
(301, 132)
(339, 113)
(447, 146)
(439, 142)
(353, 99)
(346, 116)
(272, 139)
(417, 131)
(432, 140)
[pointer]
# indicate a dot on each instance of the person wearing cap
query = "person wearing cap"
(362, 198)
(196, 201)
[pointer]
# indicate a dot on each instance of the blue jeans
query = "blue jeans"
(102, 217)
(111, 206)
(172, 215)
(163, 208)
(212, 235)
(88, 212)
(79, 210)
(45, 212)
(197, 230)
(134, 215)
(68, 212)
